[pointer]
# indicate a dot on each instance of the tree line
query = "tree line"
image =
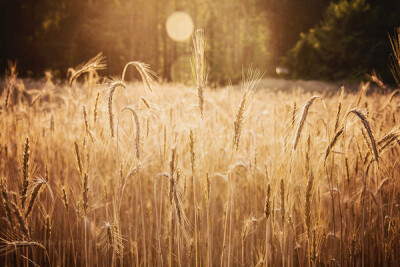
(57, 34)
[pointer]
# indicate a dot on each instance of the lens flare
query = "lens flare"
(179, 26)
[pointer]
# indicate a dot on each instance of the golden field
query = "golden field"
(101, 173)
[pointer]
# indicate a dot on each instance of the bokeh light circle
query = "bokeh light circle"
(179, 26)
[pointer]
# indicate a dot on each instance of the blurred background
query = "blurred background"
(301, 39)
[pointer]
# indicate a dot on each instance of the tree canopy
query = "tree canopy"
(350, 40)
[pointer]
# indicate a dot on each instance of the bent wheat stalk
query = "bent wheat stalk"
(34, 193)
(303, 119)
(112, 86)
(135, 113)
(333, 142)
(367, 127)
(145, 72)
(96, 63)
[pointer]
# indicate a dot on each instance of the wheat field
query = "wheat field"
(104, 172)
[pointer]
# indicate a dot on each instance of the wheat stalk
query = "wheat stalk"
(137, 123)
(9, 246)
(294, 114)
(86, 124)
(21, 221)
(37, 185)
(303, 119)
(338, 115)
(6, 203)
(282, 191)
(347, 170)
(249, 84)
(111, 88)
(65, 199)
(110, 238)
(145, 102)
(267, 205)
(367, 127)
(148, 76)
(395, 58)
(333, 142)
(78, 159)
(199, 69)
(95, 107)
(374, 77)
(85, 193)
(308, 203)
(48, 228)
(10, 81)
(25, 172)
(95, 63)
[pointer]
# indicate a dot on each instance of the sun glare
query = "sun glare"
(179, 26)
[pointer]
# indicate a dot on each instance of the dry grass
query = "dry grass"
(174, 186)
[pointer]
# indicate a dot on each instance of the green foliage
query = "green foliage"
(349, 42)
(287, 19)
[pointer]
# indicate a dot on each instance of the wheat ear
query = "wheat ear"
(250, 82)
(95, 107)
(65, 199)
(137, 122)
(303, 119)
(87, 124)
(78, 159)
(25, 172)
(35, 192)
(95, 63)
(367, 127)
(112, 86)
(199, 69)
(6, 203)
(148, 76)
(85, 193)
(333, 142)
(21, 220)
